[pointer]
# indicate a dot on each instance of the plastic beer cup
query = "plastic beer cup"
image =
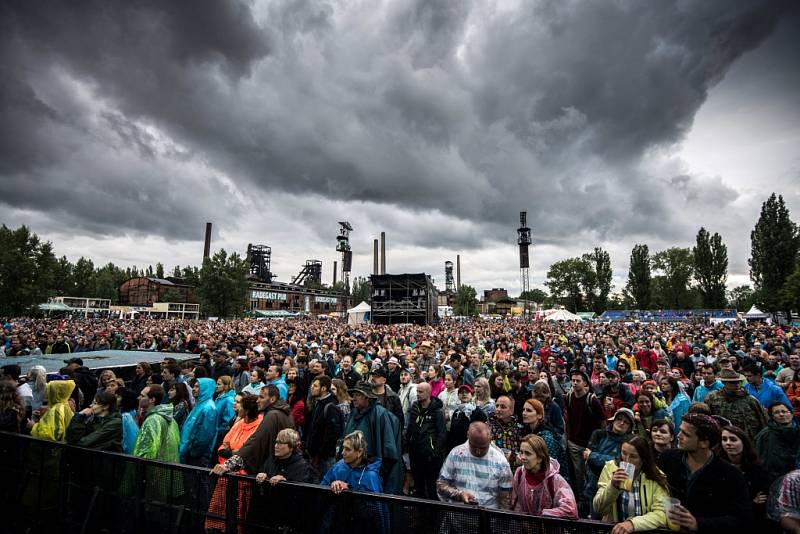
(630, 471)
(669, 504)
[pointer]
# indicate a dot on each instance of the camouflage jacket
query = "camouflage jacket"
(741, 408)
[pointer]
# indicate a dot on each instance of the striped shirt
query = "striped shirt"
(484, 477)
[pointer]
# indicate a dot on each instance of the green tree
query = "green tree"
(534, 295)
(741, 298)
(223, 285)
(159, 270)
(176, 272)
(106, 281)
(774, 243)
(172, 295)
(27, 268)
(639, 278)
(63, 282)
(790, 294)
(362, 290)
(82, 274)
(466, 303)
(597, 279)
(710, 257)
(191, 275)
(673, 282)
(566, 280)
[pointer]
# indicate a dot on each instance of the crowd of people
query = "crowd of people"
(688, 425)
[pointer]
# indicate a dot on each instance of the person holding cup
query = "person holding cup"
(632, 490)
(713, 494)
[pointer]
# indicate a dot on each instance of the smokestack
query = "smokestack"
(458, 271)
(375, 257)
(383, 252)
(334, 272)
(207, 247)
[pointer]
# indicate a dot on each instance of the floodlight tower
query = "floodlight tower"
(524, 241)
(343, 246)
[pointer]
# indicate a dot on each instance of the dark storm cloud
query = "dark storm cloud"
(466, 109)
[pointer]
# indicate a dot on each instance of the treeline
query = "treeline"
(687, 277)
(30, 274)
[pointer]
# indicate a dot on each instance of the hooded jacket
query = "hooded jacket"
(159, 437)
(605, 445)
(651, 496)
(54, 423)
(199, 434)
(777, 446)
(383, 433)
(261, 445)
(225, 412)
(552, 497)
(364, 478)
(426, 432)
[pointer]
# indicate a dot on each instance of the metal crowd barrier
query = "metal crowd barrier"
(51, 487)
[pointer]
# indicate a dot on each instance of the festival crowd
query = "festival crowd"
(691, 426)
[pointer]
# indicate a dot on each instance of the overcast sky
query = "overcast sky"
(125, 126)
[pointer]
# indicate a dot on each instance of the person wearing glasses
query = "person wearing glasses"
(287, 464)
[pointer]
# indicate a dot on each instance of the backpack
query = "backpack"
(590, 397)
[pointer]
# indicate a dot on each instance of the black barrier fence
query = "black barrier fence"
(51, 487)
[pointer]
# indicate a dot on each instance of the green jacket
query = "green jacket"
(159, 437)
(384, 439)
(651, 494)
(777, 447)
(102, 433)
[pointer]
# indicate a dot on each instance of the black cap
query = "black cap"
(74, 360)
(380, 371)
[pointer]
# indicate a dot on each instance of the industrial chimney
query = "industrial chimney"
(334, 272)
(383, 252)
(207, 246)
(458, 272)
(375, 257)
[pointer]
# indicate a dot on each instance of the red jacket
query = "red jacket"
(647, 360)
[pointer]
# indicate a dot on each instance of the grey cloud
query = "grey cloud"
(429, 106)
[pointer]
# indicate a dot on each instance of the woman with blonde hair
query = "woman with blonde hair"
(537, 488)
(483, 398)
(37, 378)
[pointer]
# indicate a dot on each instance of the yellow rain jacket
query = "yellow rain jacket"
(53, 424)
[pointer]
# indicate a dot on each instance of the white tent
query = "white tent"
(755, 313)
(359, 314)
(562, 315)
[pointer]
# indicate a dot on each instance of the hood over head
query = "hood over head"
(58, 391)
(207, 388)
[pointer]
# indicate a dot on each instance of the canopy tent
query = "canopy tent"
(755, 313)
(562, 315)
(55, 306)
(359, 314)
